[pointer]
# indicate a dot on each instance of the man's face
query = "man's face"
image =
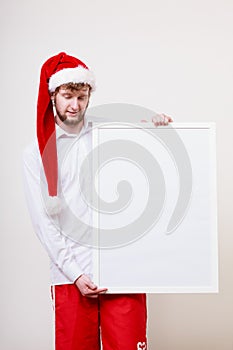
(71, 105)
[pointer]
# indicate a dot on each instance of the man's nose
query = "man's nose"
(74, 103)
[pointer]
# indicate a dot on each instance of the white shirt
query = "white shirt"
(66, 236)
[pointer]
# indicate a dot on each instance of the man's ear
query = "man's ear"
(52, 96)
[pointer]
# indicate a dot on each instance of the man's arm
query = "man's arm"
(48, 233)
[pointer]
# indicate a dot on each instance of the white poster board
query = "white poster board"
(157, 215)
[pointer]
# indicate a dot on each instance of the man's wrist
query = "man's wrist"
(78, 278)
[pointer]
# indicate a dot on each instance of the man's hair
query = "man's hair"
(73, 87)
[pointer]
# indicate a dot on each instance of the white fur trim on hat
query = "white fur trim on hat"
(72, 75)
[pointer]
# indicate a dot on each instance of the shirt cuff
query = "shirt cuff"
(73, 271)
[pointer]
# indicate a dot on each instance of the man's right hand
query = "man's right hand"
(88, 288)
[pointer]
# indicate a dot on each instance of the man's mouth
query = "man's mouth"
(72, 113)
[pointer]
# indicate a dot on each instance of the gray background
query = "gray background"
(169, 56)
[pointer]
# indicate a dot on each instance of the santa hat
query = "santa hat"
(56, 71)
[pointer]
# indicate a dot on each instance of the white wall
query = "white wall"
(171, 56)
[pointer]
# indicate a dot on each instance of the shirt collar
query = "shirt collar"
(62, 133)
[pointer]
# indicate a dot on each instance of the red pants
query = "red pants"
(118, 319)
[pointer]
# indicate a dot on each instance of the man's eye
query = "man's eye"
(67, 96)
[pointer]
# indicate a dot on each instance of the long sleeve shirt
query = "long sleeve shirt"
(66, 235)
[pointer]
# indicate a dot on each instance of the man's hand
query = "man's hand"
(160, 119)
(88, 288)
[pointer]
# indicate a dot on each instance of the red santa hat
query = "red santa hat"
(56, 71)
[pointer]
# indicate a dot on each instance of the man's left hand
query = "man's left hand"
(160, 119)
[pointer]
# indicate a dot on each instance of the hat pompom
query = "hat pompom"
(53, 205)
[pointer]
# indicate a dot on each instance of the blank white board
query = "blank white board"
(156, 214)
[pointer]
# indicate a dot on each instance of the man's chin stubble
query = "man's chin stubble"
(71, 121)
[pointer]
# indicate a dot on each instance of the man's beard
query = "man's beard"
(72, 121)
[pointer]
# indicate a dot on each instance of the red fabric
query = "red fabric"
(120, 317)
(45, 118)
(123, 321)
(76, 320)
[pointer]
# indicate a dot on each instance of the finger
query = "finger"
(157, 119)
(91, 285)
(94, 295)
(103, 290)
(90, 295)
(97, 291)
(166, 117)
(158, 123)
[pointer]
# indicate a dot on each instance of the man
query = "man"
(84, 313)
